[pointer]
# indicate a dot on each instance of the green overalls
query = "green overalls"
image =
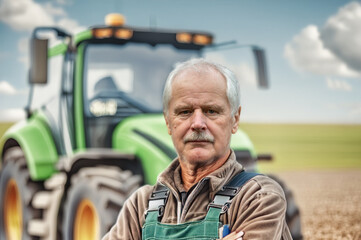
(205, 229)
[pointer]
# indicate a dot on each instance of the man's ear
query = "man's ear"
(167, 123)
(236, 120)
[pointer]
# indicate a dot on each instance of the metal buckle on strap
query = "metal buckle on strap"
(225, 207)
(157, 202)
(160, 212)
(220, 201)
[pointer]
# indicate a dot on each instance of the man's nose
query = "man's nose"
(198, 121)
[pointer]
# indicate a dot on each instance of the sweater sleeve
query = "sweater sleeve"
(131, 217)
(259, 210)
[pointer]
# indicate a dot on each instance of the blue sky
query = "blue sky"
(313, 49)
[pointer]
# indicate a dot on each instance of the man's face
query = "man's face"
(199, 117)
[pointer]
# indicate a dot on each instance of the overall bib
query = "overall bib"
(205, 229)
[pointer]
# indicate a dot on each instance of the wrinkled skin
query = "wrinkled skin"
(200, 122)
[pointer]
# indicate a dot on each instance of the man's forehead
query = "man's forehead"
(199, 71)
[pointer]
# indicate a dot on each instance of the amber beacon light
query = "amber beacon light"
(114, 19)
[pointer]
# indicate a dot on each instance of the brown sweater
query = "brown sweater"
(258, 209)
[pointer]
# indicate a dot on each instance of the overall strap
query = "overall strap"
(157, 201)
(223, 198)
(240, 179)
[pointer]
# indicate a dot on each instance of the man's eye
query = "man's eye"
(184, 112)
(211, 112)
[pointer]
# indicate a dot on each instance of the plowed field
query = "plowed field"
(330, 202)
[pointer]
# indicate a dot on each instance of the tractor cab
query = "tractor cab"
(108, 73)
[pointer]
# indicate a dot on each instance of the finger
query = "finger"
(230, 236)
(239, 235)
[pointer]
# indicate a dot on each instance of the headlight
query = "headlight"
(103, 108)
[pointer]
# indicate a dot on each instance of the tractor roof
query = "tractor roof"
(123, 34)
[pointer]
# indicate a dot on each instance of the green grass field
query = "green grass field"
(301, 146)
(307, 146)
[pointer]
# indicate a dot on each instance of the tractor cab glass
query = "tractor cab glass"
(124, 80)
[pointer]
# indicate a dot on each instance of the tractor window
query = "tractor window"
(124, 80)
(137, 71)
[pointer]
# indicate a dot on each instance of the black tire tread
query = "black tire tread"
(111, 187)
(15, 165)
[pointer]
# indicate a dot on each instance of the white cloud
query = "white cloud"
(336, 84)
(342, 35)
(7, 89)
(306, 52)
(334, 50)
(24, 14)
(12, 115)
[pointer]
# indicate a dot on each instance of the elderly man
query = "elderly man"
(202, 109)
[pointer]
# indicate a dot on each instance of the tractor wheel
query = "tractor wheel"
(293, 217)
(94, 200)
(16, 193)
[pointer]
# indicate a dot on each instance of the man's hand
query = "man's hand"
(234, 236)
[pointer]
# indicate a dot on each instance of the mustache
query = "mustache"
(198, 136)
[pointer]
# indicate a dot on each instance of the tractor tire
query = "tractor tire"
(293, 217)
(94, 200)
(16, 193)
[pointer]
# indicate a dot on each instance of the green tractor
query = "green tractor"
(94, 131)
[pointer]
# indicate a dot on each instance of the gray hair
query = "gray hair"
(196, 64)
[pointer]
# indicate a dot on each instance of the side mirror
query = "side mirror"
(38, 73)
(262, 75)
(38, 61)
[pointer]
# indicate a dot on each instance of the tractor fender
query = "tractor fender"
(35, 139)
(100, 157)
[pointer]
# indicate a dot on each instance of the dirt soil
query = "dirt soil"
(330, 203)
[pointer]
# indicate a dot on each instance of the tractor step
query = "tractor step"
(38, 228)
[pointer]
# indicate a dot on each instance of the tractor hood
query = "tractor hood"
(148, 127)
(152, 128)
(146, 136)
